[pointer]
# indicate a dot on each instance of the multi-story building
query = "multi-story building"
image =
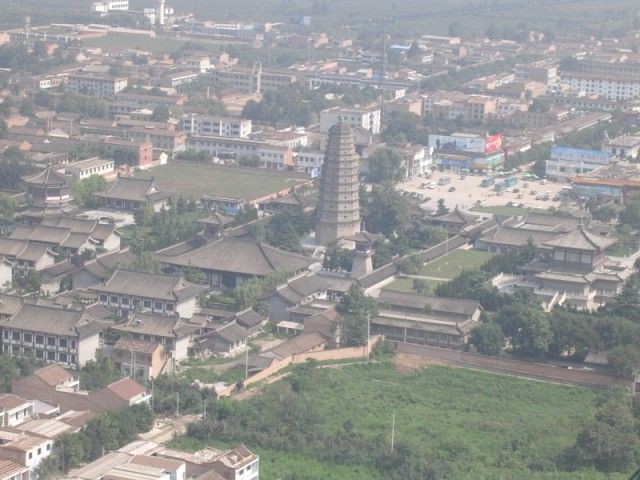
(569, 162)
(309, 162)
(96, 85)
(15, 409)
(128, 291)
(613, 88)
(161, 139)
(272, 157)
(454, 105)
(129, 102)
(624, 146)
(606, 68)
(91, 166)
(208, 125)
(247, 80)
(67, 337)
(24, 448)
(366, 118)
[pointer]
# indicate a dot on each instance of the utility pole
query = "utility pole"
(368, 337)
(177, 404)
(393, 430)
(246, 364)
(204, 410)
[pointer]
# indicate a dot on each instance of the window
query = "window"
(15, 336)
(147, 304)
(73, 344)
(5, 334)
(157, 305)
(73, 359)
(170, 307)
(136, 302)
(114, 299)
(125, 301)
(62, 343)
(51, 356)
(62, 357)
(51, 341)
(104, 298)
(48, 447)
(39, 354)
(39, 451)
(28, 337)
(30, 455)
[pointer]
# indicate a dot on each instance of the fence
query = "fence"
(360, 352)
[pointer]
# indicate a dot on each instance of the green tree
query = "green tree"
(624, 360)
(573, 334)
(144, 216)
(356, 310)
(161, 114)
(8, 205)
(281, 233)
(441, 209)
(84, 191)
(385, 211)
(99, 373)
(385, 165)
(611, 443)
(27, 108)
(488, 338)
(146, 262)
(3, 128)
(527, 327)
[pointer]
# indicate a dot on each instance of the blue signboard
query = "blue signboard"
(578, 155)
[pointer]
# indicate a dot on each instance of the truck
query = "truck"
(444, 181)
(488, 181)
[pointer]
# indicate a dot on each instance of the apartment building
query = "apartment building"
(161, 139)
(454, 105)
(129, 102)
(610, 87)
(272, 157)
(24, 448)
(96, 84)
(216, 126)
(309, 162)
(91, 166)
(250, 80)
(366, 118)
(128, 291)
(67, 337)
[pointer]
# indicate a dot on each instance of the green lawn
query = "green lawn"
(477, 426)
(405, 284)
(194, 180)
(516, 211)
(454, 262)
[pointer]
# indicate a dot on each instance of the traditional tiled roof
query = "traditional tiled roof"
(155, 325)
(53, 375)
(235, 255)
(250, 318)
(516, 237)
(135, 189)
(457, 216)
(55, 321)
(138, 346)
(231, 333)
(420, 302)
(581, 239)
(126, 388)
(49, 177)
(8, 401)
(149, 285)
(300, 344)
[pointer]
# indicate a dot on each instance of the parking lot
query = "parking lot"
(466, 191)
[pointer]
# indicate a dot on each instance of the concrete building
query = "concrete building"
(129, 291)
(613, 88)
(338, 207)
(569, 162)
(142, 360)
(15, 409)
(453, 105)
(625, 146)
(366, 118)
(66, 337)
(91, 166)
(207, 125)
(272, 157)
(96, 85)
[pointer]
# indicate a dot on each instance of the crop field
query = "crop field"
(471, 425)
(192, 180)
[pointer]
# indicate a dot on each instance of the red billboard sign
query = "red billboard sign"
(492, 143)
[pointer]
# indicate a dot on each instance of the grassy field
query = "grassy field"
(137, 42)
(405, 284)
(517, 211)
(194, 180)
(478, 426)
(453, 263)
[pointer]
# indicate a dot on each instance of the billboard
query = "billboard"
(466, 143)
(578, 155)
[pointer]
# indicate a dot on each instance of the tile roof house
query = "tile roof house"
(228, 262)
(128, 193)
(146, 359)
(67, 337)
(15, 409)
(25, 256)
(53, 384)
(99, 269)
(418, 319)
(127, 291)
(10, 470)
(172, 332)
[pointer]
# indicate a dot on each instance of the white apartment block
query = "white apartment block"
(272, 157)
(612, 88)
(368, 119)
(309, 162)
(214, 126)
(96, 85)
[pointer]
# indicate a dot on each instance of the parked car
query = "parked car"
(452, 189)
